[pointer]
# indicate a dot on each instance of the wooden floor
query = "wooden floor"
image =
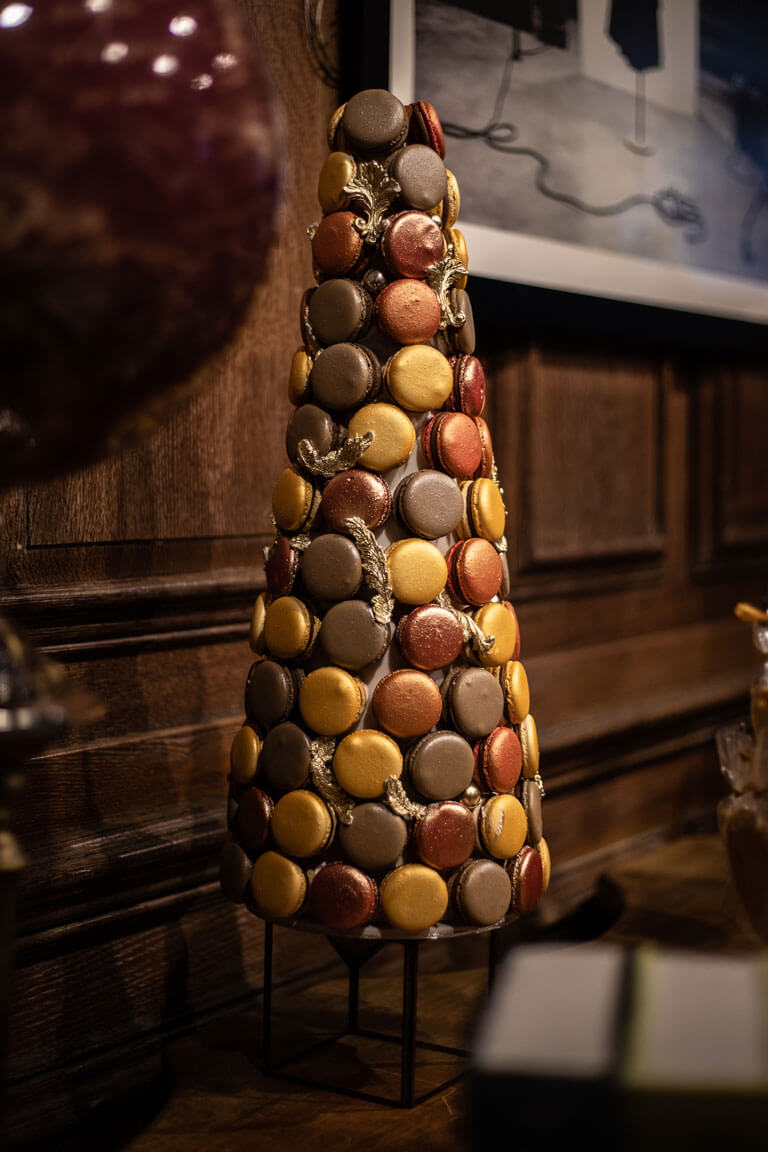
(215, 1098)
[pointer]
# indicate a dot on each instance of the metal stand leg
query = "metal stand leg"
(410, 982)
(266, 1017)
(353, 997)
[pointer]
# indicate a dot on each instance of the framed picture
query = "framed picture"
(615, 149)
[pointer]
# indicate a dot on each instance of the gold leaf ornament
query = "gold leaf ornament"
(441, 277)
(373, 189)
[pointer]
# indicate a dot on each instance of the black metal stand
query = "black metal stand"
(355, 953)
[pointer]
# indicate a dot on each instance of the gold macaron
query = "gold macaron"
(365, 760)
(546, 864)
(529, 743)
(517, 696)
(331, 700)
(419, 378)
(294, 501)
(503, 826)
(450, 205)
(258, 618)
(413, 897)
(298, 377)
(244, 754)
(393, 436)
(279, 886)
(302, 824)
(290, 629)
(455, 237)
(417, 570)
(335, 174)
(484, 511)
(495, 619)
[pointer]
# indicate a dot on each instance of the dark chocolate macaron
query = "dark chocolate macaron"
(526, 875)
(254, 813)
(373, 122)
(285, 757)
(345, 376)
(408, 311)
(498, 760)
(407, 703)
(375, 837)
(412, 242)
(474, 701)
(530, 798)
(351, 635)
(468, 395)
(270, 693)
(355, 493)
(481, 892)
(444, 837)
(463, 337)
(428, 504)
(281, 566)
(331, 567)
(474, 571)
(430, 637)
(337, 245)
(342, 897)
(451, 442)
(309, 422)
(234, 872)
(339, 310)
(420, 172)
(441, 765)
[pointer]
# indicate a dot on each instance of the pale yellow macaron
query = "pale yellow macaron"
(279, 886)
(331, 700)
(258, 618)
(302, 824)
(365, 760)
(244, 754)
(335, 174)
(496, 620)
(419, 378)
(529, 743)
(484, 512)
(413, 897)
(450, 205)
(546, 864)
(294, 501)
(290, 629)
(298, 377)
(517, 696)
(393, 435)
(455, 237)
(503, 826)
(417, 570)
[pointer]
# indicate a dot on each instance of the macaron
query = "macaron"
(254, 813)
(463, 337)
(468, 393)
(270, 693)
(424, 127)
(345, 376)
(485, 467)
(481, 892)
(451, 442)
(302, 823)
(375, 837)
(484, 512)
(546, 864)
(244, 754)
(408, 311)
(506, 578)
(455, 239)
(364, 761)
(331, 701)
(514, 682)
(351, 636)
(527, 876)
(418, 378)
(333, 132)
(298, 377)
(309, 422)
(278, 886)
(413, 897)
(441, 765)
(373, 122)
(411, 243)
(337, 245)
(407, 703)
(430, 637)
(342, 897)
(529, 745)
(530, 798)
(234, 872)
(417, 570)
(339, 310)
(473, 702)
(497, 619)
(393, 436)
(502, 826)
(295, 500)
(281, 567)
(451, 205)
(428, 504)
(498, 760)
(355, 493)
(331, 568)
(256, 626)
(444, 837)
(290, 628)
(474, 571)
(285, 757)
(336, 172)
(420, 172)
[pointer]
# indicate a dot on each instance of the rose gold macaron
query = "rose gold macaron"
(407, 703)
(474, 571)
(444, 837)
(412, 242)
(485, 467)
(337, 246)
(451, 442)
(430, 637)
(498, 760)
(468, 395)
(355, 493)
(424, 127)
(408, 311)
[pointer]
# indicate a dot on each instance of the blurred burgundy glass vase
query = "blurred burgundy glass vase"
(138, 192)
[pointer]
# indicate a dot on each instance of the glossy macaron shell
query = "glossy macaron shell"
(451, 443)
(412, 242)
(484, 512)
(342, 897)
(498, 760)
(428, 503)
(441, 765)
(444, 837)
(418, 378)
(430, 637)
(474, 571)
(408, 311)
(356, 493)
(344, 376)
(407, 703)
(468, 395)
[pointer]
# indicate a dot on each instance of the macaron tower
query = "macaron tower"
(387, 771)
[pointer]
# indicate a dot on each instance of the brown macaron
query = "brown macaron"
(285, 757)
(473, 701)
(463, 337)
(444, 837)
(407, 703)
(526, 874)
(441, 765)
(254, 813)
(337, 245)
(420, 172)
(408, 312)
(351, 635)
(270, 693)
(342, 897)
(373, 122)
(309, 422)
(375, 837)
(331, 568)
(411, 243)
(498, 760)
(530, 798)
(355, 493)
(481, 892)
(281, 566)
(451, 442)
(474, 571)
(345, 376)
(430, 637)
(468, 395)
(339, 310)
(428, 504)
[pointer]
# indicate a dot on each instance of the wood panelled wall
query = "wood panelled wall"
(637, 489)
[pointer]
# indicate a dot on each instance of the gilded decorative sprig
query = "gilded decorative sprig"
(400, 802)
(482, 642)
(375, 569)
(441, 277)
(339, 459)
(375, 189)
(325, 782)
